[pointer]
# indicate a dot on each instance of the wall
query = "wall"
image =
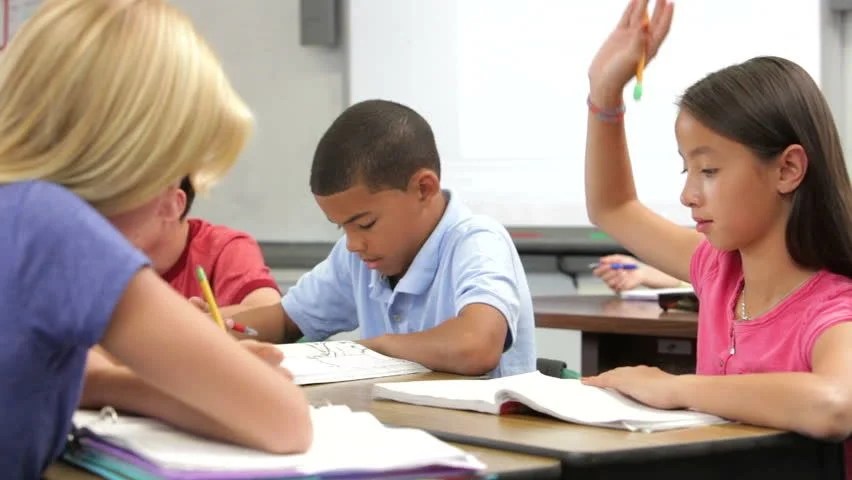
(295, 93)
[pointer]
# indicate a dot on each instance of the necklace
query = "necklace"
(744, 317)
(744, 312)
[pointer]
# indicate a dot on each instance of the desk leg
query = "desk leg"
(590, 355)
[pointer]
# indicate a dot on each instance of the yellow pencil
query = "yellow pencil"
(208, 297)
(640, 67)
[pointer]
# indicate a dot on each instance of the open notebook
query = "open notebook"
(565, 399)
(340, 361)
(346, 445)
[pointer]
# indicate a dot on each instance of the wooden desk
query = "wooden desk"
(617, 333)
(719, 451)
(508, 465)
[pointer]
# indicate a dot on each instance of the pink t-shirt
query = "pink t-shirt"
(780, 340)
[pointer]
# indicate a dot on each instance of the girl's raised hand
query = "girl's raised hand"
(615, 63)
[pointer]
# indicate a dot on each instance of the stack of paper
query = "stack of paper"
(565, 399)
(346, 444)
(340, 361)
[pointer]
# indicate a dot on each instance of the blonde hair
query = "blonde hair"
(116, 100)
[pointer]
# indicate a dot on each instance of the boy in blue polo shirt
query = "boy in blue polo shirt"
(424, 278)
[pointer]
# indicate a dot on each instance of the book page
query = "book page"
(476, 395)
(338, 361)
(344, 441)
(571, 400)
(565, 399)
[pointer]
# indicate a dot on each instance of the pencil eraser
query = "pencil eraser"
(637, 91)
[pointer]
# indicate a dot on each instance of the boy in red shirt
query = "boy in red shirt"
(232, 259)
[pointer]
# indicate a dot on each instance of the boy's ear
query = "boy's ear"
(425, 183)
(792, 166)
(173, 205)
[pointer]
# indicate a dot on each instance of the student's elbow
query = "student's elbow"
(833, 418)
(597, 211)
(612, 215)
(479, 358)
(593, 212)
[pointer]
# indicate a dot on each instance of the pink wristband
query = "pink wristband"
(610, 115)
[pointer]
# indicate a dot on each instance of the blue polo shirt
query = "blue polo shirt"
(467, 259)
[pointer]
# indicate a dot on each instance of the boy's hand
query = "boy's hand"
(226, 311)
(200, 304)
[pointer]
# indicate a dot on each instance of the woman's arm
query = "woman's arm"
(174, 348)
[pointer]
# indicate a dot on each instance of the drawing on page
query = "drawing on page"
(335, 349)
(340, 360)
(349, 356)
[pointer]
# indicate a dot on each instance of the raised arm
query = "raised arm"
(174, 348)
(611, 199)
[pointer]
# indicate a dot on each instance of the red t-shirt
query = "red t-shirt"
(232, 260)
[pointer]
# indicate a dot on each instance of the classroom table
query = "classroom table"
(711, 452)
(502, 464)
(616, 333)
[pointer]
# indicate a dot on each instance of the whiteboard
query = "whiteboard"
(504, 85)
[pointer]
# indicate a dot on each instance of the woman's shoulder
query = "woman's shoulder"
(39, 199)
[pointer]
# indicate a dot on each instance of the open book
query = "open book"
(565, 399)
(346, 444)
(340, 361)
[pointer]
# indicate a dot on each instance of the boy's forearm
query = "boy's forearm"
(270, 322)
(444, 348)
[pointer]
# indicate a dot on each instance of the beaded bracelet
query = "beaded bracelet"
(610, 115)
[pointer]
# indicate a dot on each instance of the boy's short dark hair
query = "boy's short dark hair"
(189, 190)
(376, 142)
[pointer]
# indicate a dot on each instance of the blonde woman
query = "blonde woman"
(106, 106)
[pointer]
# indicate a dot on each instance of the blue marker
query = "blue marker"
(616, 266)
